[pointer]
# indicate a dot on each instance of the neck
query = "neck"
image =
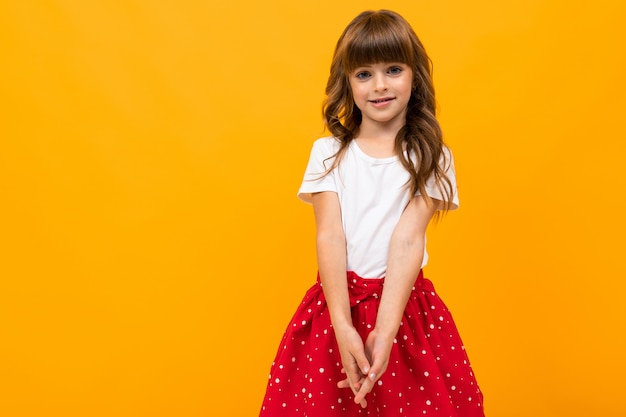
(380, 131)
(377, 141)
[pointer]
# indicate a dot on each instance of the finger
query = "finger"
(361, 400)
(377, 370)
(362, 362)
(353, 374)
(368, 383)
(365, 389)
(344, 383)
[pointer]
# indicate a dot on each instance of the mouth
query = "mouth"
(382, 100)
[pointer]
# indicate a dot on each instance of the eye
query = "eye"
(395, 70)
(362, 75)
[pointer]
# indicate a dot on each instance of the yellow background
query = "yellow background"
(152, 248)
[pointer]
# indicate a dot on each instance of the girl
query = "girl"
(371, 337)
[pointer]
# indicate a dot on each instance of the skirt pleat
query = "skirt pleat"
(429, 373)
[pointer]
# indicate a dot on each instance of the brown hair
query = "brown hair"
(385, 36)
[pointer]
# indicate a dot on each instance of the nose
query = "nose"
(380, 82)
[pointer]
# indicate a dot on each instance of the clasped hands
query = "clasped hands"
(363, 363)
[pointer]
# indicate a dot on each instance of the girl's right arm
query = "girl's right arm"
(331, 260)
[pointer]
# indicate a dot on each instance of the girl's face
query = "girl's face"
(382, 92)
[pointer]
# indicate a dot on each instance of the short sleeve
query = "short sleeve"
(320, 160)
(447, 163)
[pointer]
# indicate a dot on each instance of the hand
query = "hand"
(354, 361)
(377, 349)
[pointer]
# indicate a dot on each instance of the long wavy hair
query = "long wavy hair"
(385, 36)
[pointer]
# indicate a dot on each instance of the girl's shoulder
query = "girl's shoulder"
(329, 142)
(326, 146)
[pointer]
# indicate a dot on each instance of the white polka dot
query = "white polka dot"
(426, 373)
(277, 380)
(428, 402)
(321, 370)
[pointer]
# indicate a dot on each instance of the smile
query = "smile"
(381, 100)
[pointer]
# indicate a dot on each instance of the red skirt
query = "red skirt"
(428, 374)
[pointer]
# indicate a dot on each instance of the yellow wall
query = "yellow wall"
(152, 248)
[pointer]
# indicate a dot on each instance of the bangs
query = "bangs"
(379, 39)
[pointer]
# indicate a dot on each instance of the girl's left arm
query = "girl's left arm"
(406, 252)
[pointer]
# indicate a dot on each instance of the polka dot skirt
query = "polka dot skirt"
(428, 372)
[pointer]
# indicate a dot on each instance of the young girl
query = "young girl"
(371, 337)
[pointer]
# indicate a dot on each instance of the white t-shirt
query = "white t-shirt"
(372, 193)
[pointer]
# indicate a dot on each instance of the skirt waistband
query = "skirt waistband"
(361, 289)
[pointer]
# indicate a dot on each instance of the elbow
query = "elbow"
(410, 241)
